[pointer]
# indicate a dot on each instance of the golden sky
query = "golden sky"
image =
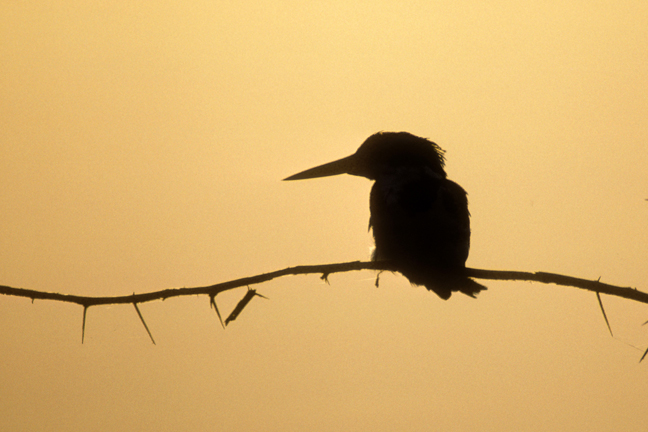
(142, 148)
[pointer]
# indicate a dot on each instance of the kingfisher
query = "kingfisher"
(419, 218)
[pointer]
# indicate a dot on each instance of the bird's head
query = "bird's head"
(382, 154)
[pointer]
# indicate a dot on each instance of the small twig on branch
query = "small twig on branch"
(249, 295)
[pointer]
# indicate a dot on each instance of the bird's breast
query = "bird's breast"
(420, 218)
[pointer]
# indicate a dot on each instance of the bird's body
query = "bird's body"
(419, 218)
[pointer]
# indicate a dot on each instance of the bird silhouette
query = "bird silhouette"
(419, 218)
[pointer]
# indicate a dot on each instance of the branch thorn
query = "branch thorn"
(144, 322)
(212, 303)
(598, 296)
(85, 310)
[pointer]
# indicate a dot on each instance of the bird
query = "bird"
(419, 218)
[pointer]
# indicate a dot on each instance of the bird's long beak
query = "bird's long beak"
(341, 166)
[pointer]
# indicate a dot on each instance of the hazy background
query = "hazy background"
(142, 146)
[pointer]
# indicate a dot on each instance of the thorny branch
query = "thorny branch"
(325, 270)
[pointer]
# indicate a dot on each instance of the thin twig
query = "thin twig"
(326, 269)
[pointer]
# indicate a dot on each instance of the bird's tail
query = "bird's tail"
(445, 284)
